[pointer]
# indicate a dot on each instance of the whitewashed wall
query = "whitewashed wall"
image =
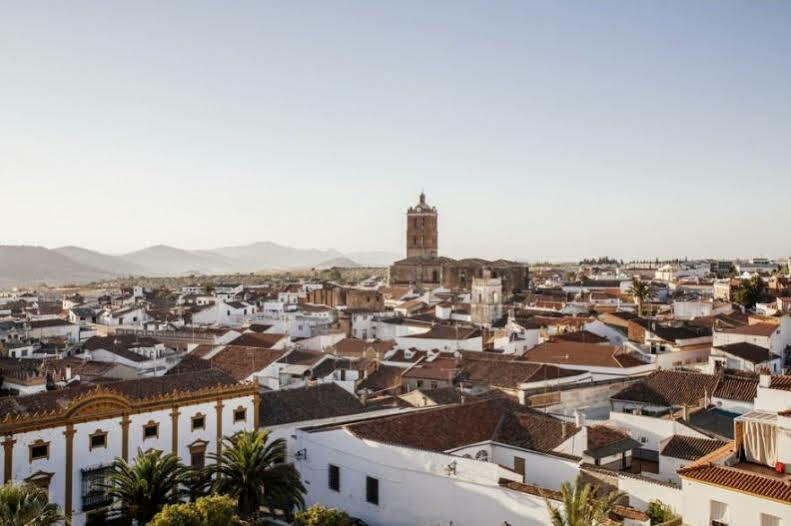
(414, 488)
(743, 509)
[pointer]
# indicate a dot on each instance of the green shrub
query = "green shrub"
(214, 510)
(318, 515)
(659, 512)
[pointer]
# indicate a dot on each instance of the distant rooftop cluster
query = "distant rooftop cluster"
(402, 395)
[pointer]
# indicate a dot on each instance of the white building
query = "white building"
(66, 440)
(418, 468)
(148, 356)
(228, 314)
(486, 303)
(53, 328)
(131, 317)
(746, 481)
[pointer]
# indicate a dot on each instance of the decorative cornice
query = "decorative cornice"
(103, 402)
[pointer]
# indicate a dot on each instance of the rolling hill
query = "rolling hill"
(166, 260)
(26, 265)
(111, 264)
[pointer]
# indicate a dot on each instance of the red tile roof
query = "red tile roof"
(690, 448)
(452, 426)
(741, 386)
(781, 382)
(259, 339)
(670, 388)
(585, 354)
(771, 487)
(510, 373)
(756, 329)
(240, 362)
(441, 368)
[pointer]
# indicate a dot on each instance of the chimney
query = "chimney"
(579, 418)
(765, 380)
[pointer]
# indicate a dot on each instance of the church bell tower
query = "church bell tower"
(421, 230)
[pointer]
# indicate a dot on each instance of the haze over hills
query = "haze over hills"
(340, 261)
(97, 260)
(21, 265)
(26, 264)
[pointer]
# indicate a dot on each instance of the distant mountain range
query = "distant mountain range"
(21, 265)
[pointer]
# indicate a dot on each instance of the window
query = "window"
(719, 513)
(198, 422)
(94, 488)
(770, 520)
(150, 430)
(334, 480)
(519, 465)
(198, 454)
(239, 414)
(39, 449)
(40, 479)
(98, 439)
(198, 459)
(372, 490)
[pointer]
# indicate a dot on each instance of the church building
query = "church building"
(425, 268)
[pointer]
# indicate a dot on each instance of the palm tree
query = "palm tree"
(254, 471)
(27, 505)
(640, 291)
(146, 485)
(581, 505)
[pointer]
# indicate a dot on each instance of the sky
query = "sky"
(549, 130)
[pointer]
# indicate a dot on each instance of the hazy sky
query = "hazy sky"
(540, 130)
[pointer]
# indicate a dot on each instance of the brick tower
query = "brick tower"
(421, 230)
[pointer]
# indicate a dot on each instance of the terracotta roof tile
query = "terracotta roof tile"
(585, 354)
(690, 448)
(307, 403)
(259, 339)
(583, 336)
(240, 362)
(669, 388)
(510, 373)
(756, 329)
(384, 377)
(742, 386)
(781, 382)
(441, 368)
(137, 389)
(353, 347)
(452, 426)
(776, 488)
(747, 351)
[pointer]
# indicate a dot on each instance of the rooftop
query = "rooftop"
(449, 427)
(669, 388)
(756, 329)
(584, 354)
(747, 351)
(313, 402)
(690, 448)
(747, 478)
